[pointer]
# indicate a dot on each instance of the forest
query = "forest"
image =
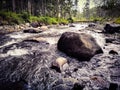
(39, 8)
(19, 11)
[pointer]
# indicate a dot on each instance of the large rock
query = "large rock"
(81, 46)
(91, 25)
(111, 29)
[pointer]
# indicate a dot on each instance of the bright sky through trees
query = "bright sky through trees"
(81, 5)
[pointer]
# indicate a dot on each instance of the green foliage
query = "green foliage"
(13, 18)
(25, 16)
(48, 20)
(34, 18)
(53, 21)
(62, 21)
(95, 19)
(82, 19)
(45, 20)
(117, 20)
(10, 18)
(70, 20)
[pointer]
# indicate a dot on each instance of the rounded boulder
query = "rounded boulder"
(81, 46)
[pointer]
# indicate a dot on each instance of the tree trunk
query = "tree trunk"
(29, 7)
(58, 9)
(13, 6)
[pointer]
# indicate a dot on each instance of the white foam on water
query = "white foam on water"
(17, 52)
(20, 35)
(52, 40)
(112, 47)
(100, 39)
(3, 55)
(8, 43)
(80, 26)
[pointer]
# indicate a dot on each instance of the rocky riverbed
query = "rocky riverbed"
(26, 59)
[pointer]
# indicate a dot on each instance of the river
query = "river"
(21, 56)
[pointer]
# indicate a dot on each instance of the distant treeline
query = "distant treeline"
(52, 8)
(110, 8)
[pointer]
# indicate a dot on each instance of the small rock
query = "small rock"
(34, 24)
(44, 28)
(58, 64)
(65, 66)
(21, 27)
(108, 40)
(32, 40)
(113, 52)
(91, 25)
(31, 31)
(77, 86)
(71, 25)
(27, 24)
(103, 47)
(113, 86)
(75, 69)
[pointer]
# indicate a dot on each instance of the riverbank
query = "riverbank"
(12, 18)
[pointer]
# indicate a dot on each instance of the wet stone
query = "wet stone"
(31, 31)
(113, 52)
(114, 86)
(77, 86)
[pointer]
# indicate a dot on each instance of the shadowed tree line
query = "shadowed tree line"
(101, 10)
(62, 9)
(110, 8)
(52, 8)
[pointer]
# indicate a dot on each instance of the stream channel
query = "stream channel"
(25, 61)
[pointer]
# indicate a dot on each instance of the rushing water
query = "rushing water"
(19, 36)
(16, 47)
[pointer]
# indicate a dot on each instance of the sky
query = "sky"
(81, 5)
